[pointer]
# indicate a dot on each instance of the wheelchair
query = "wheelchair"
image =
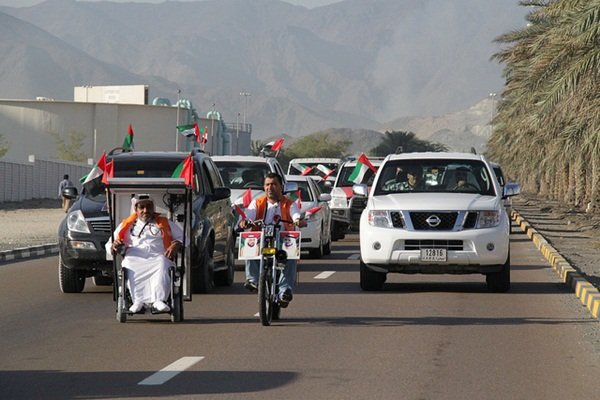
(172, 199)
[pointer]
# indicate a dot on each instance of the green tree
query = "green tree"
(404, 142)
(3, 146)
(71, 147)
(256, 146)
(547, 125)
(318, 144)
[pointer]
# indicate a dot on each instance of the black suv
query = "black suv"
(85, 230)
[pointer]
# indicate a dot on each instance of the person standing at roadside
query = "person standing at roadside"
(66, 203)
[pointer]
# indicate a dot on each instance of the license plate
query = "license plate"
(269, 231)
(435, 255)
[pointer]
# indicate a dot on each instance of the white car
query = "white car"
(242, 172)
(345, 207)
(435, 213)
(316, 236)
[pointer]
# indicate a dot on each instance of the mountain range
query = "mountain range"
(376, 64)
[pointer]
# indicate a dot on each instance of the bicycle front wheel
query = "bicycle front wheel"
(265, 298)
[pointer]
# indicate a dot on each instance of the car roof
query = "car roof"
(435, 155)
(152, 155)
(297, 177)
(315, 159)
(244, 159)
(375, 161)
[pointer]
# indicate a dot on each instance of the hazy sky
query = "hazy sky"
(25, 3)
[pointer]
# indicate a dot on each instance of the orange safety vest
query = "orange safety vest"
(284, 203)
(163, 225)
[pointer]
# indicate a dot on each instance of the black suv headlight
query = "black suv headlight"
(76, 222)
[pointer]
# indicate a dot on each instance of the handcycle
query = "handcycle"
(172, 198)
(273, 260)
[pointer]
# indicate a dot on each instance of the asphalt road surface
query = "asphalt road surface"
(423, 337)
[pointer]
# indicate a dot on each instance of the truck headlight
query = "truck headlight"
(76, 222)
(338, 198)
(380, 218)
(488, 219)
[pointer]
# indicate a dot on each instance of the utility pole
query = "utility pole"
(245, 94)
(493, 98)
(176, 131)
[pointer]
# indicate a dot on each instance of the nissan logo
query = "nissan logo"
(433, 221)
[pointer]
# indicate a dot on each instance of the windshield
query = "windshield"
(243, 175)
(442, 176)
(305, 193)
(133, 168)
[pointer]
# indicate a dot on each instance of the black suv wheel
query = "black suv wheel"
(70, 280)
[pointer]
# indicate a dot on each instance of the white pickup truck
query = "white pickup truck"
(435, 213)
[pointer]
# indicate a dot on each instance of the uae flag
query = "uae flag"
(128, 142)
(240, 212)
(197, 133)
(312, 211)
(202, 138)
(109, 171)
(362, 166)
(247, 198)
(92, 182)
(187, 130)
(326, 171)
(185, 170)
(275, 145)
(304, 169)
(299, 202)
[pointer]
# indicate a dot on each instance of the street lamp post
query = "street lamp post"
(237, 134)
(245, 94)
(177, 124)
(493, 106)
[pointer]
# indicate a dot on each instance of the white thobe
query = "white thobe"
(147, 267)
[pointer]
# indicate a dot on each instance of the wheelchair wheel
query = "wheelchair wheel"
(265, 299)
(121, 297)
(176, 302)
(177, 310)
(121, 314)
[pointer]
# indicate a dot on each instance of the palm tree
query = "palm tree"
(403, 142)
(256, 146)
(547, 121)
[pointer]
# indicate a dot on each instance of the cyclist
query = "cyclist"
(265, 208)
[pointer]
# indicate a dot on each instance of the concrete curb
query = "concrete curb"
(584, 290)
(28, 252)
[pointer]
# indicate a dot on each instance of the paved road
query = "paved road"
(423, 337)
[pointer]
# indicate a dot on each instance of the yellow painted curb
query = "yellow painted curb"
(587, 293)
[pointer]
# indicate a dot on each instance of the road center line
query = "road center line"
(170, 371)
(354, 257)
(324, 275)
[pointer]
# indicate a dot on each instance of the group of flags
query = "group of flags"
(189, 130)
(306, 169)
(102, 170)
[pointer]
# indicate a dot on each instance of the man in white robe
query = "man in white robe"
(150, 243)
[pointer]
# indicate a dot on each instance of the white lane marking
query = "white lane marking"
(324, 275)
(354, 257)
(170, 371)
